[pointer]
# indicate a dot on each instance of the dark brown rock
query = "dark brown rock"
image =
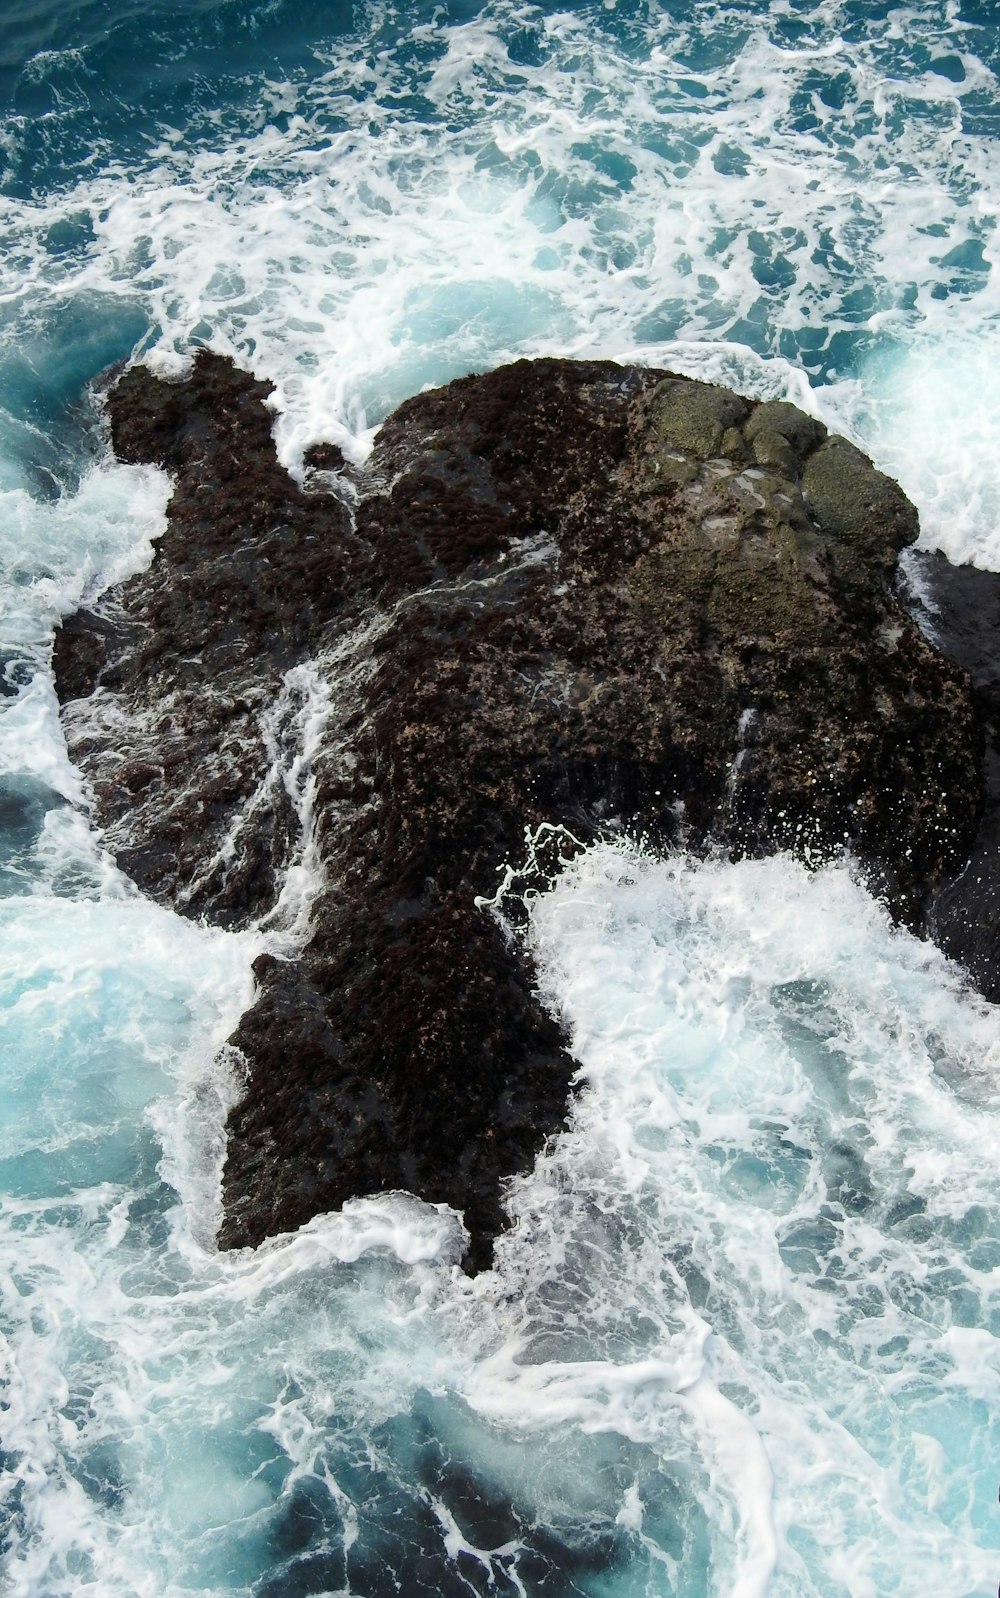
(569, 593)
(961, 614)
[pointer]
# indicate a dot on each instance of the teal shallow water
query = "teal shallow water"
(743, 1338)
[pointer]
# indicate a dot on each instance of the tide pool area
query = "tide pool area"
(743, 1336)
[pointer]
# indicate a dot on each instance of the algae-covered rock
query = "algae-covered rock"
(856, 505)
(801, 432)
(571, 595)
(697, 417)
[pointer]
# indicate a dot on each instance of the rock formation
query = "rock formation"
(595, 596)
(960, 609)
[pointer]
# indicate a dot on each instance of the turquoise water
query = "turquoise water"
(743, 1338)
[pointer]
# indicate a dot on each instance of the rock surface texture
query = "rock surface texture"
(596, 596)
(961, 612)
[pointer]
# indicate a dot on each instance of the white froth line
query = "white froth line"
(742, 1456)
(456, 1543)
(597, 1395)
(297, 775)
(414, 1232)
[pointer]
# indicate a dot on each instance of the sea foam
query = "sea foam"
(442, 197)
(742, 1337)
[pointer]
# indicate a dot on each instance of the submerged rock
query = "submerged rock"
(568, 593)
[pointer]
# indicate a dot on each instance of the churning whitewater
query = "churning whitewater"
(744, 1335)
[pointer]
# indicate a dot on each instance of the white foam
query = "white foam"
(55, 556)
(607, 196)
(696, 1165)
(927, 411)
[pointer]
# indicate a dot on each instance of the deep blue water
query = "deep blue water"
(744, 1337)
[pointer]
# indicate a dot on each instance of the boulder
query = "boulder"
(566, 595)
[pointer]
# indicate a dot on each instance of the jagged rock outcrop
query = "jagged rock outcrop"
(577, 593)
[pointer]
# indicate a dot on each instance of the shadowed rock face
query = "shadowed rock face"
(961, 612)
(569, 593)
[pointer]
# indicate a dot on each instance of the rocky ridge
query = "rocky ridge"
(568, 593)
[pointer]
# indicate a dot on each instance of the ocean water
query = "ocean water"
(743, 1337)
